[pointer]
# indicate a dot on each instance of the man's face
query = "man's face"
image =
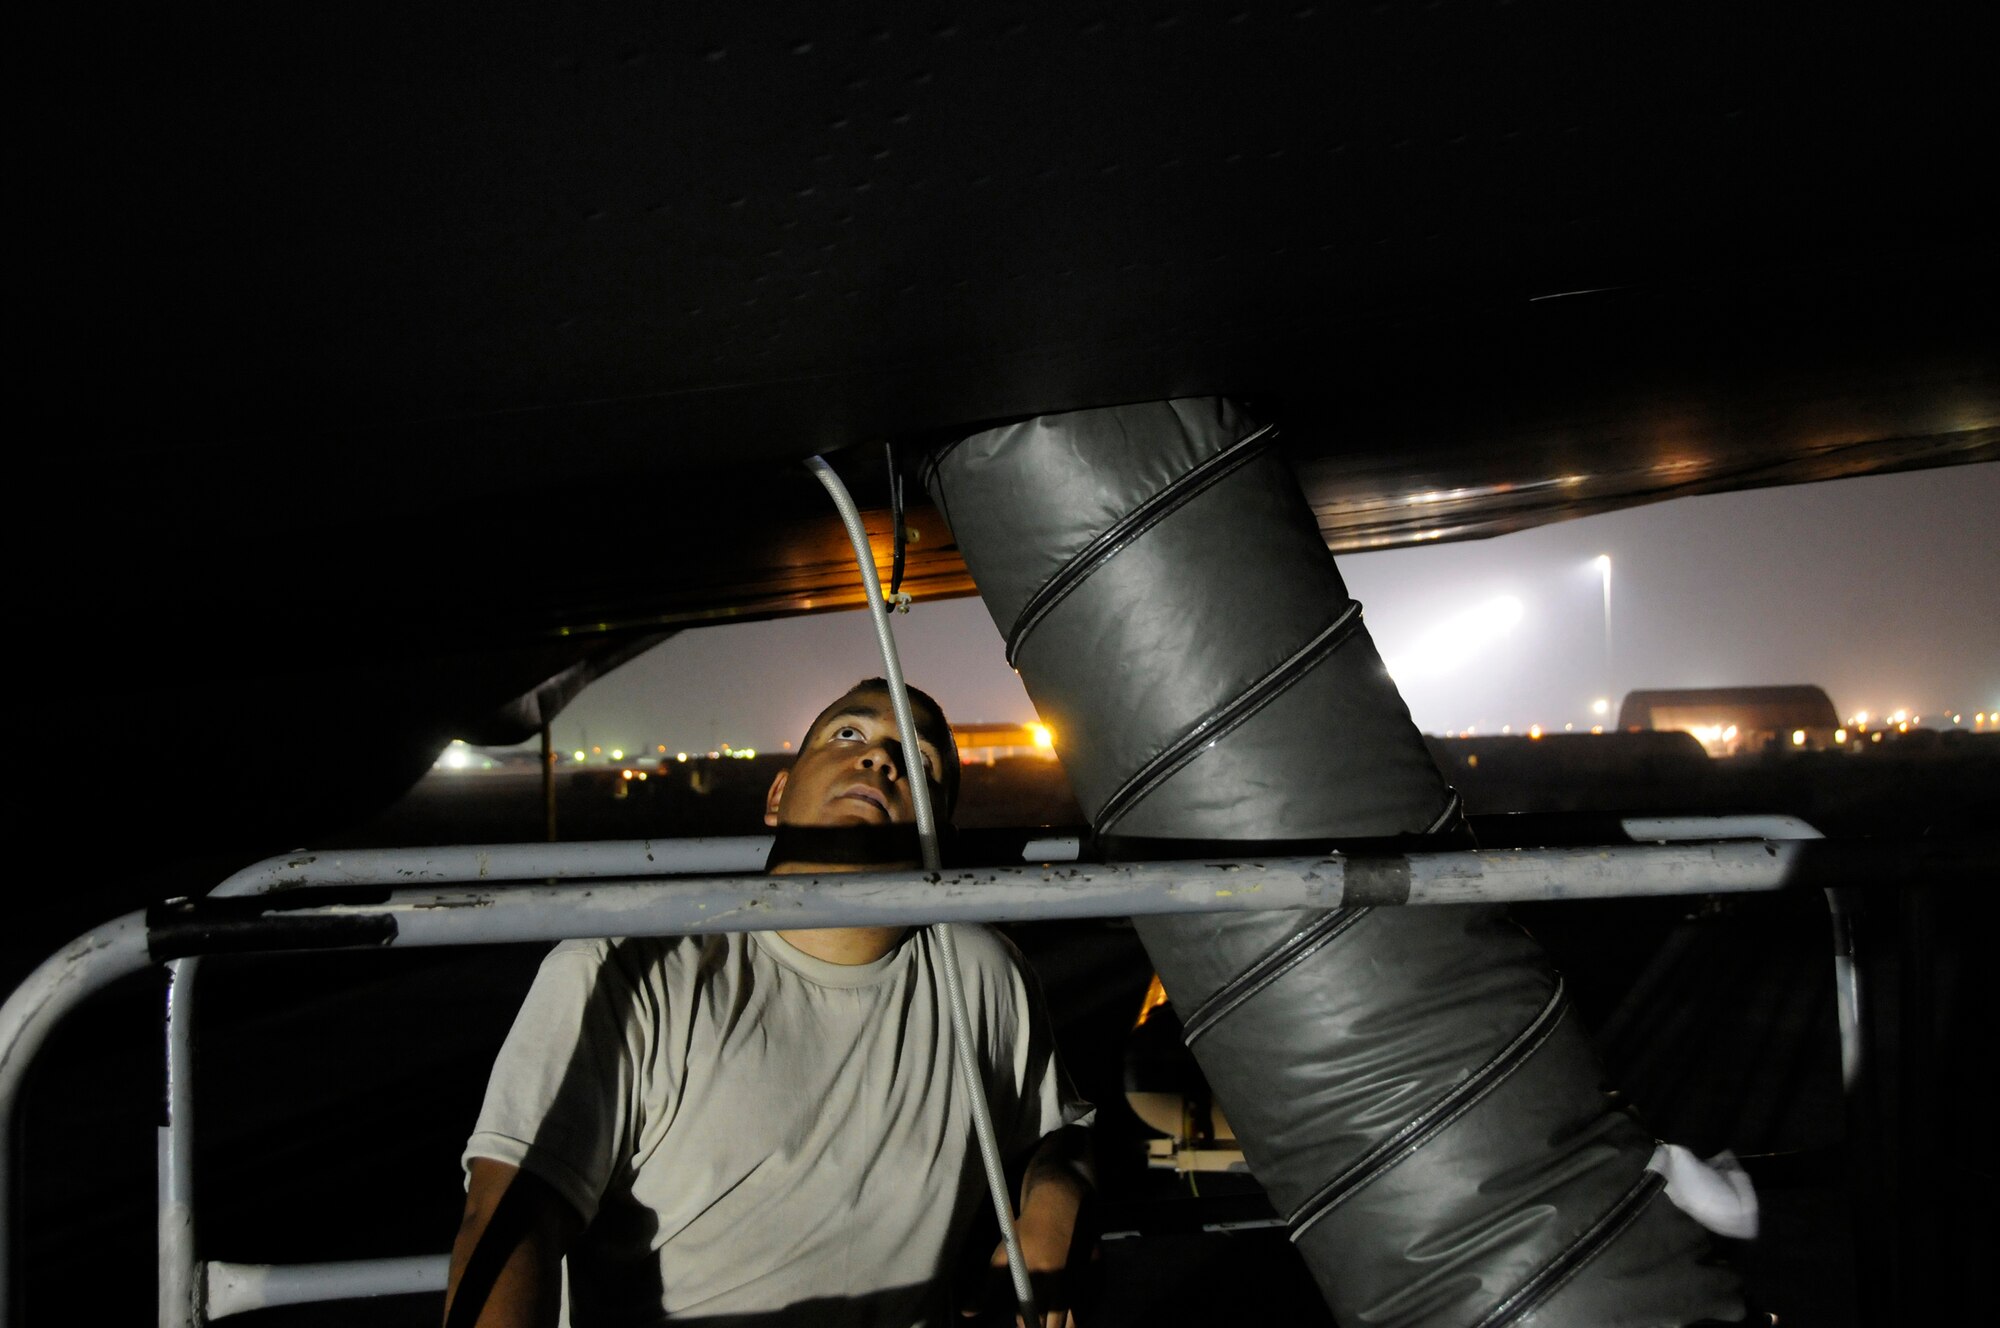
(852, 769)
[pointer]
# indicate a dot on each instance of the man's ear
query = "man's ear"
(774, 797)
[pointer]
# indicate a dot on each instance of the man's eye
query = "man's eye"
(848, 733)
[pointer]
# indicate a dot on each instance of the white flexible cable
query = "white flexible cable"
(920, 799)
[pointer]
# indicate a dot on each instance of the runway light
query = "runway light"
(1535, 731)
(1043, 737)
(1904, 727)
(577, 755)
(680, 756)
(617, 753)
(1840, 735)
(1600, 706)
(624, 774)
(1798, 737)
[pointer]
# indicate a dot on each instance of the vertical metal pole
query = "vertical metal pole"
(181, 1290)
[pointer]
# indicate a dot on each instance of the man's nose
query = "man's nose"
(885, 754)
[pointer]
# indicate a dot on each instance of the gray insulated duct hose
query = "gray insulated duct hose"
(1407, 1083)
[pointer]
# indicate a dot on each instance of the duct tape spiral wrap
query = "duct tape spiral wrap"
(1408, 1084)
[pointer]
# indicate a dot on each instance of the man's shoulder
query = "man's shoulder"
(986, 950)
(641, 960)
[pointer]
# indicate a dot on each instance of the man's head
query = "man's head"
(852, 770)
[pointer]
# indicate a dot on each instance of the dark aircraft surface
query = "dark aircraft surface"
(304, 292)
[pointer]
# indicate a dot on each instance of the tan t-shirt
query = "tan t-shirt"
(748, 1129)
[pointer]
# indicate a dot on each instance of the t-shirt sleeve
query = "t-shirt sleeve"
(1046, 1099)
(561, 1102)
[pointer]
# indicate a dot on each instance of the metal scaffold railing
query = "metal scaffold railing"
(514, 893)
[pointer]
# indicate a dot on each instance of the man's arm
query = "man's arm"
(1054, 1190)
(506, 1264)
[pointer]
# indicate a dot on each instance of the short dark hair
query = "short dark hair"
(931, 723)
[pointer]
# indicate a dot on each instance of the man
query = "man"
(769, 1128)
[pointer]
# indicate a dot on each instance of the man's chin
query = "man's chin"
(855, 844)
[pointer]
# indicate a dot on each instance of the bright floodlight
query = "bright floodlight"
(1450, 644)
(1600, 706)
(1043, 738)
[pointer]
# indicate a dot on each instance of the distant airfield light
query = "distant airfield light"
(1597, 728)
(1840, 735)
(1600, 706)
(642, 776)
(1729, 734)
(1798, 737)
(1903, 727)
(1044, 739)
(1568, 727)
(1955, 719)
(786, 744)
(661, 749)
(624, 774)
(714, 755)
(1535, 731)
(680, 756)
(1899, 716)
(617, 753)
(597, 751)
(1506, 728)
(577, 755)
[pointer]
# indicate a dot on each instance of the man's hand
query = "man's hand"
(1052, 1198)
(1045, 1247)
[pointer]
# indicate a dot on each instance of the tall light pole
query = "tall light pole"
(1603, 561)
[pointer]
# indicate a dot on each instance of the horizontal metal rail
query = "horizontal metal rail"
(451, 864)
(359, 908)
(236, 1288)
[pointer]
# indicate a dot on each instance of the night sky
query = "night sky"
(1881, 590)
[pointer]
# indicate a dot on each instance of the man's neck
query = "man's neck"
(845, 945)
(841, 945)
